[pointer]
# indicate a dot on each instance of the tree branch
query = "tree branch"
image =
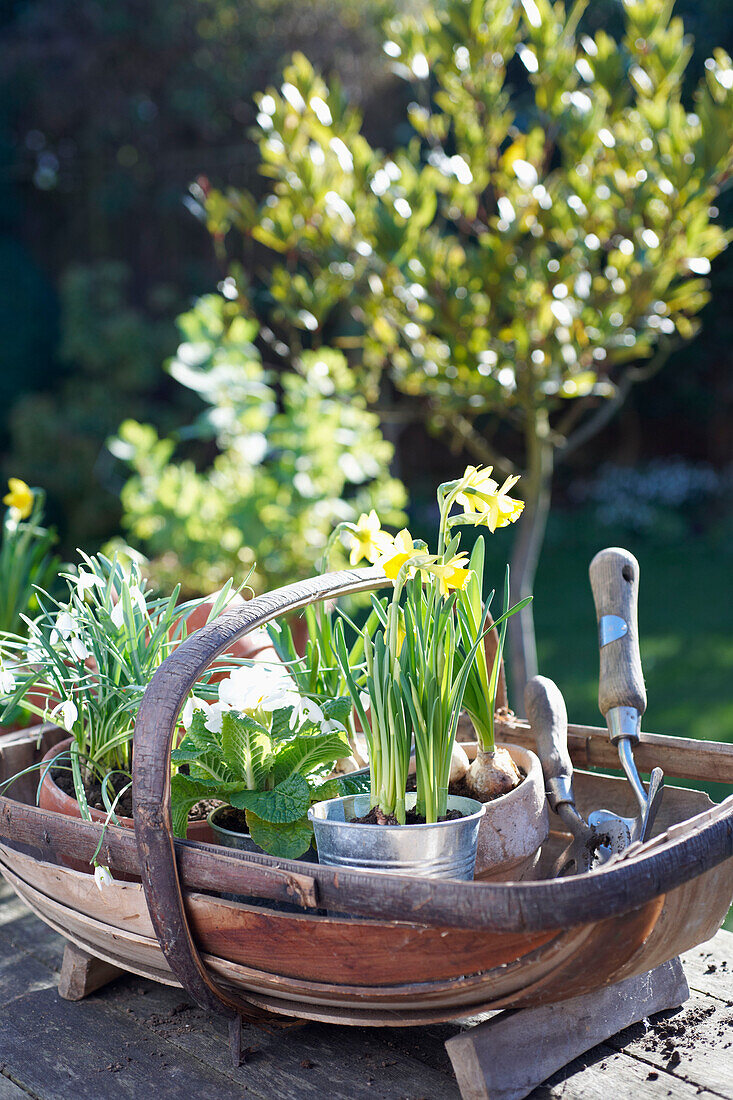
(478, 447)
(605, 413)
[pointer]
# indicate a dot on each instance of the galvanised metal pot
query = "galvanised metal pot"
(444, 850)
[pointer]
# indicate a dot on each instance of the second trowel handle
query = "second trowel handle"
(614, 579)
(545, 709)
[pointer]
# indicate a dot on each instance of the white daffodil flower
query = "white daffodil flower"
(103, 877)
(258, 687)
(67, 714)
(7, 681)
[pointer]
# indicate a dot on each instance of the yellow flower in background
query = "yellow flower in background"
(499, 508)
(401, 551)
(451, 574)
(20, 497)
(369, 540)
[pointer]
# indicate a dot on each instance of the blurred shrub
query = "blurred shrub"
(111, 351)
(294, 454)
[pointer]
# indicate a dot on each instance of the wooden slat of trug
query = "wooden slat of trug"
(679, 757)
(501, 907)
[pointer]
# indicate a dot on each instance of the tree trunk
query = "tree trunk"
(526, 552)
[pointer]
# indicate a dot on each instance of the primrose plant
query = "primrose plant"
(424, 646)
(264, 748)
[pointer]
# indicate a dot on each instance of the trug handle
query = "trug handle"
(614, 579)
(546, 712)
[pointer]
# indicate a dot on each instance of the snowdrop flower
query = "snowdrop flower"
(7, 681)
(67, 713)
(306, 710)
(258, 687)
(330, 725)
(64, 628)
(365, 700)
(77, 647)
(85, 581)
(118, 611)
(103, 877)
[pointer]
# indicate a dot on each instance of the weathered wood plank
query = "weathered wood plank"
(57, 1049)
(709, 967)
(82, 974)
(603, 1073)
(516, 1051)
(10, 1091)
(694, 1044)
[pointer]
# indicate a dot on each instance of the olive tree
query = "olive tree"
(531, 251)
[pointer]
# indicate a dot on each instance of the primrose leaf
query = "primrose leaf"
(286, 802)
(310, 751)
(185, 793)
(341, 785)
(246, 748)
(289, 841)
(199, 736)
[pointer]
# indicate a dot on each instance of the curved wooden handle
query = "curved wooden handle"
(548, 718)
(155, 727)
(614, 579)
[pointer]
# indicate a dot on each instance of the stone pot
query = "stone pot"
(515, 825)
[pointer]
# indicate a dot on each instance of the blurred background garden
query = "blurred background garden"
(265, 266)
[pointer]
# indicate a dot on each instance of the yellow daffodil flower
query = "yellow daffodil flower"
(478, 481)
(369, 540)
(400, 552)
(20, 498)
(451, 574)
(499, 508)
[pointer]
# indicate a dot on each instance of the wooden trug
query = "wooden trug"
(499, 945)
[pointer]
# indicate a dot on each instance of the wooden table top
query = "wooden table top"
(135, 1039)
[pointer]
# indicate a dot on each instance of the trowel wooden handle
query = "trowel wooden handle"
(614, 579)
(546, 713)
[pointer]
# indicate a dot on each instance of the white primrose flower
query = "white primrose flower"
(67, 713)
(7, 681)
(192, 705)
(103, 877)
(214, 716)
(259, 687)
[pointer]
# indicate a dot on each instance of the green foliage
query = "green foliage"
(295, 453)
(529, 238)
(260, 765)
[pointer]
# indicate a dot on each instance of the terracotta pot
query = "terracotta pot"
(515, 825)
(53, 798)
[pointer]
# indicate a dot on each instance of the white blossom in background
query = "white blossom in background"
(7, 681)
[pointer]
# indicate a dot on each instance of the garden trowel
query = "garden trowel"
(614, 579)
(593, 844)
